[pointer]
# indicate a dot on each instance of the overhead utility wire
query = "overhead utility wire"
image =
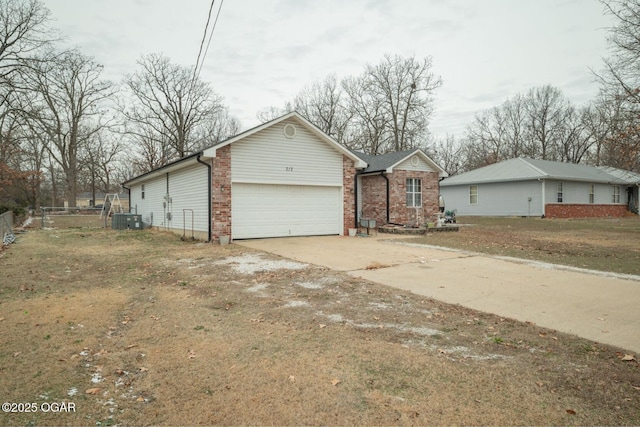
(204, 37)
(210, 37)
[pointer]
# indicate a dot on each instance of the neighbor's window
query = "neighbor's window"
(560, 194)
(592, 193)
(473, 194)
(616, 194)
(143, 191)
(414, 192)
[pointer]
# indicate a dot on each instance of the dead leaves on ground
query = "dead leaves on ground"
(626, 357)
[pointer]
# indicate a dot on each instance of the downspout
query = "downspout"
(384, 175)
(129, 193)
(209, 190)
(355, 198)
(544, 196)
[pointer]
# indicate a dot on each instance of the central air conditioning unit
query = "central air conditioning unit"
(126, 221)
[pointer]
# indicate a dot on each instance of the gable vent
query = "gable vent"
(289, 130)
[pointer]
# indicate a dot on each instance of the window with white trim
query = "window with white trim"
(473, 194)
(592, 193)
(616, 194)
(142, 186)
(414, 192)
(560, 193)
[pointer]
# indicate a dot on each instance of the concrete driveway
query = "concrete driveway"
(600, 307)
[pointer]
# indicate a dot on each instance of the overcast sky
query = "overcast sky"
(263, 52)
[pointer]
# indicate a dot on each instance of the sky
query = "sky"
(263, 53)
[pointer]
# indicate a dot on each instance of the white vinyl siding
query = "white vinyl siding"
(415, 163)
(188, 190)
(285, 186)
(497, 199)
(266, 210)
(151, 206)
(268, 157)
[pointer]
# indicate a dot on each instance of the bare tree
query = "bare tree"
(68, 108)
(620, 82)
(167, 104)
(547, 109)
(23, 31)
(98, 158)
(449, 154)
(391, 104)
(324, 104)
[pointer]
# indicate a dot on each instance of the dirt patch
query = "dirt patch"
(139, 328)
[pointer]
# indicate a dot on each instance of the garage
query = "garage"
(267, 210)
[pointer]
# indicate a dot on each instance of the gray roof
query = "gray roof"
(623, 175)
(382, 162)
(524, 169)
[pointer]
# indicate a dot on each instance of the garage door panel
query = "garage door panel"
(262, 210)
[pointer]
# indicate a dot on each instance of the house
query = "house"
(530, 187)
(282, 178)
(85, 200)
(399, 188)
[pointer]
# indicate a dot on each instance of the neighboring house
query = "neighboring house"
(85, 200)
(529, 187)
(399, 188)
(282, 178)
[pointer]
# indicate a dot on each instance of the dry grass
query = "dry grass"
(598, 244)
(174, 333)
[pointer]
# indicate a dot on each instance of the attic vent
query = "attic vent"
(289, 130)
(415, 161)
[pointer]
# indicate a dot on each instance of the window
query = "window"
(473, 194)
(560, 193)
(592, 193)
(414, 192)
(143, 191)
(616, 194)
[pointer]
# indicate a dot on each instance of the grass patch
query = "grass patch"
(129, 345)
(596, 244)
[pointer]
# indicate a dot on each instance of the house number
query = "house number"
(289, 169)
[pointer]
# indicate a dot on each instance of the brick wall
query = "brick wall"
(566, 210)
(221, 194)
(374, 202)
(348, 177)
(374, 198)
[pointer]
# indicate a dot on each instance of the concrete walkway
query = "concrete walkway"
(600, 307)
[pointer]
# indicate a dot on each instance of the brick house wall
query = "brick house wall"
(348, 180)
(374, 198)
(221, 194)
(568, 210)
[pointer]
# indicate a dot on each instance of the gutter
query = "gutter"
(209, 220)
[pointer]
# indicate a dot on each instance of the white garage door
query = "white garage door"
(263, 210)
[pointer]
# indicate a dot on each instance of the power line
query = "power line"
(201, 56)
(210, 37)
(204, 37)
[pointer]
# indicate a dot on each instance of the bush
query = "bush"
(18, 211)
